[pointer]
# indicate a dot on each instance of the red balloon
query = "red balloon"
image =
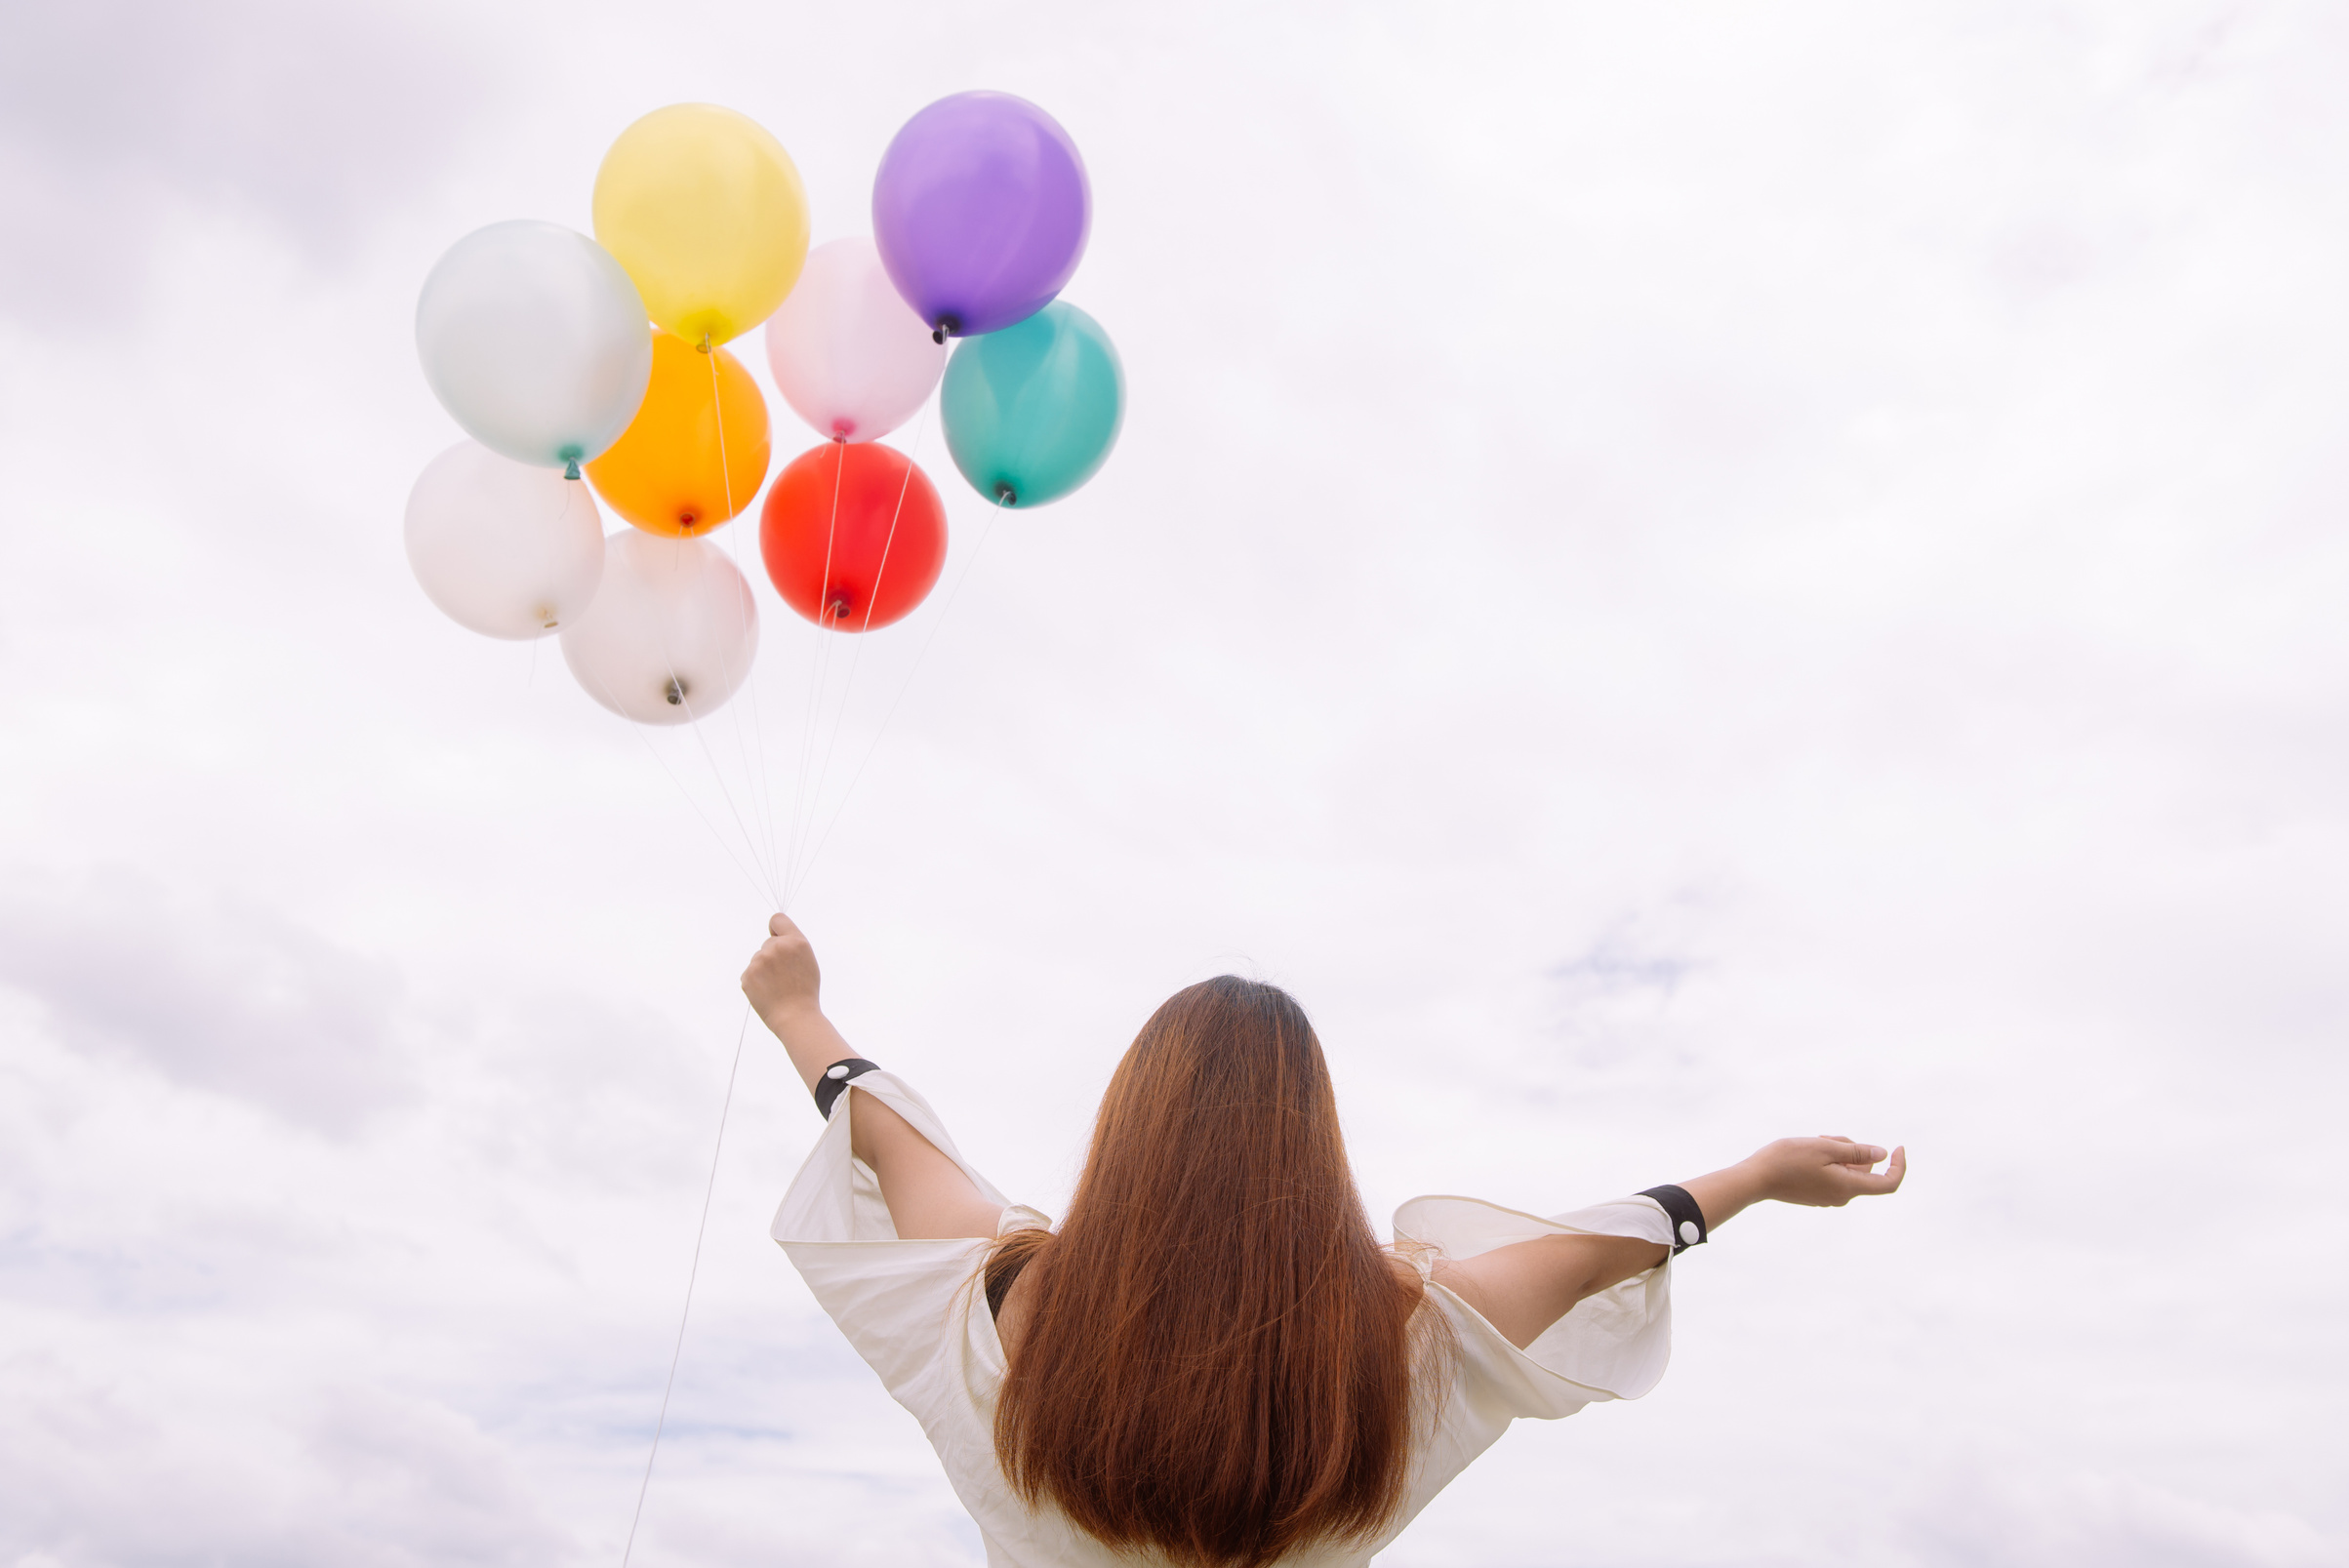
(873, 514)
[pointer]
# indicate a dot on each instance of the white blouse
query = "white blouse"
(916, 1311)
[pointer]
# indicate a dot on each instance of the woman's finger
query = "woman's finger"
(780, 925)
(1870, 1185)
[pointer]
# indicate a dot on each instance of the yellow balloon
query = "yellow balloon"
(705, 212)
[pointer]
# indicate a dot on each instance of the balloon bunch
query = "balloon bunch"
(567, 359)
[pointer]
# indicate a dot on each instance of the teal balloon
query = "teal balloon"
(1032, 412)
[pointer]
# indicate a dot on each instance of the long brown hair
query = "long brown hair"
(1217, 1361)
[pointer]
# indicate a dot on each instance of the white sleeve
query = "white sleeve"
(893, 1300)
(1612, 1346)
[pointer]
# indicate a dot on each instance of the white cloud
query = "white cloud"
(165, 1459)
(118, 115)
(2092, 1520)
(212, 994)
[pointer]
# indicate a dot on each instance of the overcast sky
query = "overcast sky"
(1682, 574)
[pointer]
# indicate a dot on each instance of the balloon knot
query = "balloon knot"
(675, 691)
(570, 469)
(944, 328)
(1006, 495)
(704, 345)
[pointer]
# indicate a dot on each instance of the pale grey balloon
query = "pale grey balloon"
(534, 340)
(502, 547)
(671, 632)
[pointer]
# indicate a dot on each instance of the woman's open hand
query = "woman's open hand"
(1826, 1171)
(783, 979)
(1821, 1173)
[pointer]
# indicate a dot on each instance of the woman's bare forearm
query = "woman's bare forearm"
(1721, 1195)
(810, 1039)
(813, 1044)
(1524, 1288)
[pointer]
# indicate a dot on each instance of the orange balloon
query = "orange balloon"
(697, 452)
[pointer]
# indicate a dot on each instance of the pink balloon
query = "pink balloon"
(848, 353)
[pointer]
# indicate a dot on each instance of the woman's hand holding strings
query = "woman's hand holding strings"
(784, 986)
(928, 1193)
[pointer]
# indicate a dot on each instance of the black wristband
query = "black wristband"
(837, 1078)
(1687, 1219)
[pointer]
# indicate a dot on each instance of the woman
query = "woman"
(1212, 1363)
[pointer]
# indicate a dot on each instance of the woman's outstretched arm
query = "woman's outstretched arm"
(928, 1195)
(1524, 1288)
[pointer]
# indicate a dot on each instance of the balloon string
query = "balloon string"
(761, 785)
(953, 593)
(718, 412)
(873, 601)
(637, 730)
(815, 701)
(905, 482)
(693, 722)
(824, 614)
(762, 807)
(748, 869)
(692, 1273)
(810, 732)
(803, 815)
(767, 888)
(550, 531)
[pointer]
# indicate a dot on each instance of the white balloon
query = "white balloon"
(502, 547)
(848, 353)
(671, 632)
(534, 338)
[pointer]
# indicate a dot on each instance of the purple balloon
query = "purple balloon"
(981, 210)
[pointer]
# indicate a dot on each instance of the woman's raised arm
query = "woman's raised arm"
(928, 1195)
(1524, 1288)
